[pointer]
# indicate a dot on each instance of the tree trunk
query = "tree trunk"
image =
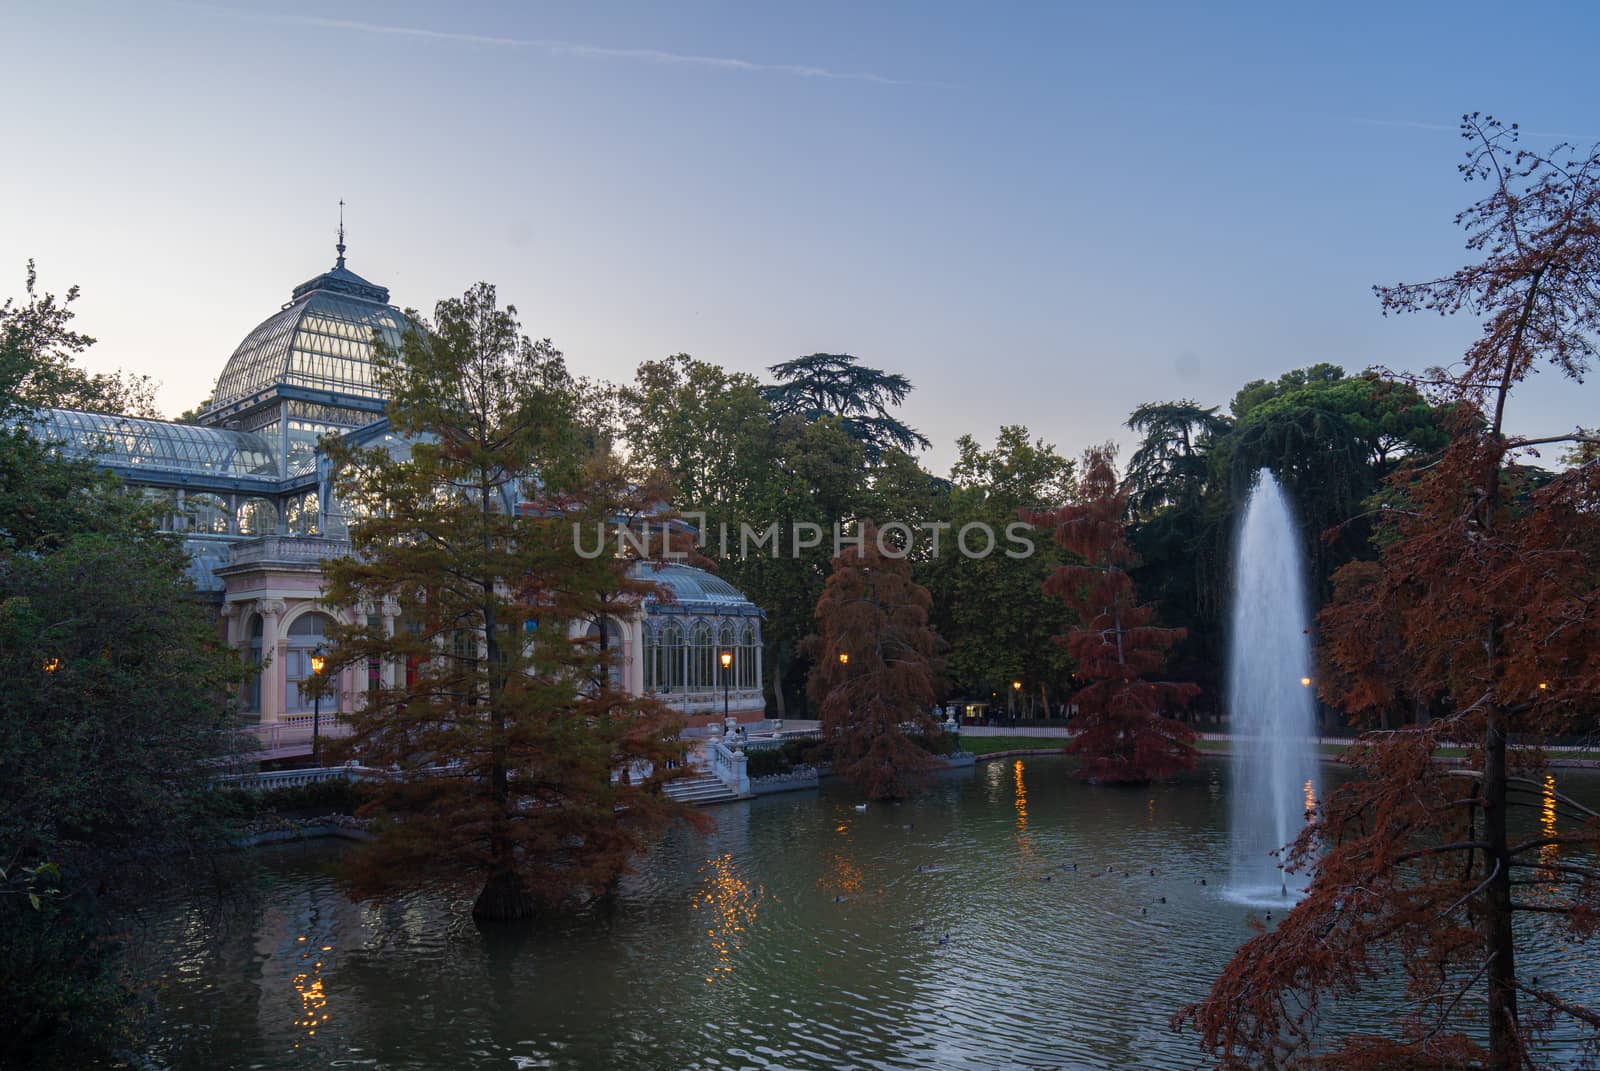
(1505, 1043)
(777, 685)
(503, 899)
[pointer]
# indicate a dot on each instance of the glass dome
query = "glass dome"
(156, 446)
(321, 340)
(694, 587)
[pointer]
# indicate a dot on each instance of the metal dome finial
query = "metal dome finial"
(340, 246)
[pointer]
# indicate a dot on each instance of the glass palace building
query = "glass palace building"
(253, 498)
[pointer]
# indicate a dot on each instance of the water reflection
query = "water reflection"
(1549, 854)
(799, 935)
(732, 906)
(1021, 802)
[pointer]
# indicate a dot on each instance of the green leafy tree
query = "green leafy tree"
(524, 773)
(992, 609)
(114, 697)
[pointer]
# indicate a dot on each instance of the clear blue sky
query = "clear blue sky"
(1044, 214)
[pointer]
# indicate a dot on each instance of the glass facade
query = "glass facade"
(160, 446)
(253, 469)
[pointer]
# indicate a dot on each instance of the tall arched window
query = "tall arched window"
(702, 658)
(306, 634)
(257, 517)
(749, 656)
(647, 652)
(206, 512)
(670, 655)
(614, 648)
(725, 643)
(252, 688)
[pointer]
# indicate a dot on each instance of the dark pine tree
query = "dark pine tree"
(836, 385)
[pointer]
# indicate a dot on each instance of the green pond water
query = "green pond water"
(798, 934)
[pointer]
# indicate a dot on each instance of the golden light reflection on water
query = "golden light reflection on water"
(1311, 795)
(310, 987)
(1548, 853)
(733, 906)
(1023, 840)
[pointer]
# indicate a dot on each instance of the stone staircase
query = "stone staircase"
(700, 790)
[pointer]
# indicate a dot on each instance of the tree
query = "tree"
(1169, 467)
(114, 697)
(1485, 596)
(837, 385)
(1331, 439)
(1124, 733)
(992, 609)
(706, 428)
(524, 773)
(38, 361)
(875, 668)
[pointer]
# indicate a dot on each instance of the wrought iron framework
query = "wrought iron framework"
(135, 446)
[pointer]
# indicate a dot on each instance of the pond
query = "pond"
(942, 933)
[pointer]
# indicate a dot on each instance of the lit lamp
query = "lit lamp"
(1016, 691)
(1305, 682)
(319, 660)
(727, 663)
(53, 664)
(844, 658)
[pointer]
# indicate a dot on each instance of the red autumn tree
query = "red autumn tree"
(875, 669)
(1122, 728)
(1484, 605)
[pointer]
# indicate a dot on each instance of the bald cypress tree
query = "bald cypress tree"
(875, 670)
(1124, 731)
(522, 772)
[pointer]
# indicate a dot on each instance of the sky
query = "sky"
(1044, 214)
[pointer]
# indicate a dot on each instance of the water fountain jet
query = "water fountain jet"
(1271, 704)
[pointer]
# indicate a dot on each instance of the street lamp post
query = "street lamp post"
(727, 718)
(319, 659)
(1016, 693)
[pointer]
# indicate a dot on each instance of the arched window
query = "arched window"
(206, 512)
(725, 644)
(647, 643)
(301, 514)
(614, 648)
(306, 634)
(702, 658)
(749, 656)
(252, 688)
(257, 517)
(670, 655)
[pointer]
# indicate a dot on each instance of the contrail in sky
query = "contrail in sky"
(566, 48)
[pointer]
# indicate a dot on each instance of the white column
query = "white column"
(390, 668)
(231, 613)
(272, 678)
(634, 631)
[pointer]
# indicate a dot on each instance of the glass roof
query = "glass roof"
(691, 585)
(321, 340)
(155, 445)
